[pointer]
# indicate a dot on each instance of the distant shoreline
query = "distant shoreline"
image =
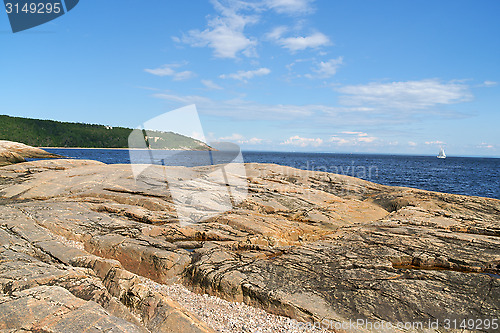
(79, 148)
(121, 148)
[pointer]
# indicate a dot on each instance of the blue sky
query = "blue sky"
(382, 76)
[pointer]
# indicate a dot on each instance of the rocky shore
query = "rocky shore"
(79, 241)
(14, 152)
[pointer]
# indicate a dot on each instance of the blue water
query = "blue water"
(459, 175)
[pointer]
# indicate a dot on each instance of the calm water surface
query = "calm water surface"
(459, 175)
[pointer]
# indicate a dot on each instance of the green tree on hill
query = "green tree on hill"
(50, 133)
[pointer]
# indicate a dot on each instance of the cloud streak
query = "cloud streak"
(352, 138)
(211, 85)
(360, 111)
(169, 70)
(405, 95)
(299, 43)
(240, 139)
(246, 75)
(435, 142)
(302, 142)
(293, 7)
(326, 69)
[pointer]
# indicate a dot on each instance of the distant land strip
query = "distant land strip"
(56, 134)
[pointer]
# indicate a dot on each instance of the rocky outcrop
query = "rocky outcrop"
(66, 289)
(7, 157)
(14, 152)
(310, 245)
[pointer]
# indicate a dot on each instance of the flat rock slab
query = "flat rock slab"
(310, 245)
(48, 286)
(55, 309)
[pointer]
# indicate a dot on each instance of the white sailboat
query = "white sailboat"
(441, 153)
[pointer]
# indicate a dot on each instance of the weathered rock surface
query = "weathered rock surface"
(14, 152)
(309, 245)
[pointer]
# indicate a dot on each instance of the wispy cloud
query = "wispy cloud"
(253, 141)
(485, 145)
(184, 75)
(240, 139)
(326, 69)
(435, 142)
(277, 33)
(405, 96)
(241, 109)
(169, 70)
(233, 137)
(225, 32)
(246, 75)
(293, 7)
(490, 83)
(185, 100)
(299, 43)
(354, 133)
(352, 138)
(211, 85)
(362, 105)
(302, 142)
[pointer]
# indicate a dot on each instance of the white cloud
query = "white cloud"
(339, 141)
(290, 6)
(326, 69)
(240, 139)
(352, 138)
(366, 139)
(244, 110)
(225, 32)
(246, 75)
(211, 85)
(233, 137)
(168, 70)
(405, 95)
(302, 142)
(354, 133)
(276, 33)
(412, 144)
(300, 43)
(254, 141)
(486, 145)
(312, 115)
(183, 75)
(436, 142)
(309, 115)
(164, 70)
(186, 100)
(489, 83)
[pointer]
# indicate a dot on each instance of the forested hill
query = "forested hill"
(49, 133)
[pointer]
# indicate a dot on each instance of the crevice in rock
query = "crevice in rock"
(144, 194)
(462, 269)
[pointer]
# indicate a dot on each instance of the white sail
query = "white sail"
(442, 154)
